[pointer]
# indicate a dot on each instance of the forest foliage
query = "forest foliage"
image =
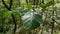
(29, 16)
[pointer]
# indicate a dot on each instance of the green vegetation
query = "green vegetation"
(29, 16)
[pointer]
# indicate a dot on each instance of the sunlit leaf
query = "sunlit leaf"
(27, 6)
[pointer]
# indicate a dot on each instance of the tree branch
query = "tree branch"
(5, 4)
(9, 8)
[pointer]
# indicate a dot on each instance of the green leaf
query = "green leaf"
(31, 20)
(27, 6)
(6, 14)
(15, 12)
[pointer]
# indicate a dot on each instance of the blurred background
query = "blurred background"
(30, 17)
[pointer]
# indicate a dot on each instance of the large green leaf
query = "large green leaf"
(31, 20)
(6, 14)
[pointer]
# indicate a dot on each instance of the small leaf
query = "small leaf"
(27, 6)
